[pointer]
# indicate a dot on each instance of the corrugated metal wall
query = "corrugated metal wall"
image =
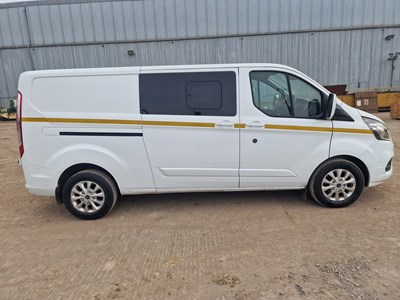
(335, 42)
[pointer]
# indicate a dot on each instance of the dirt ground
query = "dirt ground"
(244, 245)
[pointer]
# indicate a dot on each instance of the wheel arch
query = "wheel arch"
(359, 163)
(75, 169)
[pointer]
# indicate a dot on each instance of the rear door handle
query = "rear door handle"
(255, 125)
(224, 124)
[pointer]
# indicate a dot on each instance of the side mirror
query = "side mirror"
(330, 106)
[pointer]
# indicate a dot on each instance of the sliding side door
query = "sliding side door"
(189, 130)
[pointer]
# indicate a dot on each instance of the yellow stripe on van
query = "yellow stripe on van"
(171, 123)
(321, 129)
(351, 130)
(111, 121)
(302, 128)
(86, 121)
(192, 124)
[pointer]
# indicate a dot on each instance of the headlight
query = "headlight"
(378, 129)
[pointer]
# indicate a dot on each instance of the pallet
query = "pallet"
(8, 117)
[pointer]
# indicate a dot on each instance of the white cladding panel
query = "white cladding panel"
(94, 94)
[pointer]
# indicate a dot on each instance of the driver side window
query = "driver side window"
(282, 95)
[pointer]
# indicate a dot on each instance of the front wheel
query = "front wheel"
(337, 183)
(89, 194)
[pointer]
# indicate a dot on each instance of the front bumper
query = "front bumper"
(377, 157)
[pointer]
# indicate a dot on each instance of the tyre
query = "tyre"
(89, 194)
(336, 183)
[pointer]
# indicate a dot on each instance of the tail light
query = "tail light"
(19, 124)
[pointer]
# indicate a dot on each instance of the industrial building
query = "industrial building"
(334, 42)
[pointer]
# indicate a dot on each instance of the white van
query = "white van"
(88, 136)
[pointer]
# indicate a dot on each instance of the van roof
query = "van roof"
(138, 69)
(206, 66)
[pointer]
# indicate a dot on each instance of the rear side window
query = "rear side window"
(202, 93)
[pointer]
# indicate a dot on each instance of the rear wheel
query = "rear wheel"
(89, 194)
(337, 183)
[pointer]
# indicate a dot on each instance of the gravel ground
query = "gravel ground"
(244, 245)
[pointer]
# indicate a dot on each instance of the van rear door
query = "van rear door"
(190, 130)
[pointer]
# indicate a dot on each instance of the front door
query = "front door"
(284, 138)
(189, 130)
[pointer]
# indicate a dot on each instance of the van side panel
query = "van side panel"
(95, 94)
(79, 116)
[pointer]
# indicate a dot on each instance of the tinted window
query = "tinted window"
(203, 93)
(283, 95)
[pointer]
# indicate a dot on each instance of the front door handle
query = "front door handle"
(255, 125)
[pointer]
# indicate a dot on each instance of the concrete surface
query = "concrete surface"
(250, 245)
